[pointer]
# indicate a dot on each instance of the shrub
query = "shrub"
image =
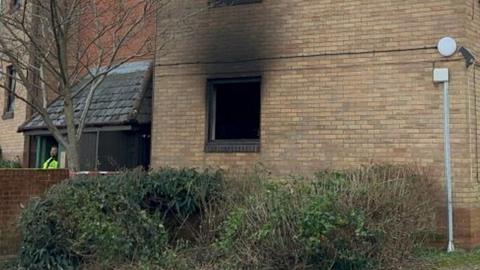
(336, 238)
(181, 192)
(111, 220)
(397, 204)
(366, 218)
(260, 232)
(8, 164)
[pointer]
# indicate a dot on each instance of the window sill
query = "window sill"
(227, 3)
(232, 146)
(7, 115)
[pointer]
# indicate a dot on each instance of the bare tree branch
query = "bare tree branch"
(61, 48)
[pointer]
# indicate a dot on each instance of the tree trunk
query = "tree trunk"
(73, 148)
(73, 156)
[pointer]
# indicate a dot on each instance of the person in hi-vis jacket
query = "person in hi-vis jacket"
(52, 162)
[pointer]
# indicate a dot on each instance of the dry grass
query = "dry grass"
(255, 225)
(397, 202)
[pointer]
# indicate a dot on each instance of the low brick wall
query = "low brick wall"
(17, 186)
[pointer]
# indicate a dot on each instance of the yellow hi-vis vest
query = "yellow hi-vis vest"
(50, 164)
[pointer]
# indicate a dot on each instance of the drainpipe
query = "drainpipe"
(441, 75)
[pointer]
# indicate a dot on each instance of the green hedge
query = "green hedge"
(366, 218)
(111, 219)
(8, 164)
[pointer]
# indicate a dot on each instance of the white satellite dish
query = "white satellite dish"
(447, 46)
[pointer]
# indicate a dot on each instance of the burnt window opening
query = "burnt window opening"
(234, 107)
(11, 83)
(223, 3)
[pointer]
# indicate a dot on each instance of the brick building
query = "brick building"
(31, 148)
(304, 85)
(13, 112)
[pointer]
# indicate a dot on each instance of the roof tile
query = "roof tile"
(112, 102)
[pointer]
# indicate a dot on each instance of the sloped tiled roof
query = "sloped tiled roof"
(124, 97)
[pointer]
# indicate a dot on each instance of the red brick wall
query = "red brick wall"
(17, 187)
(107, 11)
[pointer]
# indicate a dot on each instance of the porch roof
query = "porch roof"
(123, 98)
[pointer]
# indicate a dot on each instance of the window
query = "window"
(10, 93)
(14, 5)
(234, 115)
(40, 147)
(222, 3)
(99, 150)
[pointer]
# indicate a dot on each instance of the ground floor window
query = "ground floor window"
(40, 147)
(100, 150)
(234, 107)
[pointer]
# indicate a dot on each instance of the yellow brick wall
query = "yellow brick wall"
(469, 224)
(343, 83)
(11, 142)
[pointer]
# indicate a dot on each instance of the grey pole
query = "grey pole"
(448, 163)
